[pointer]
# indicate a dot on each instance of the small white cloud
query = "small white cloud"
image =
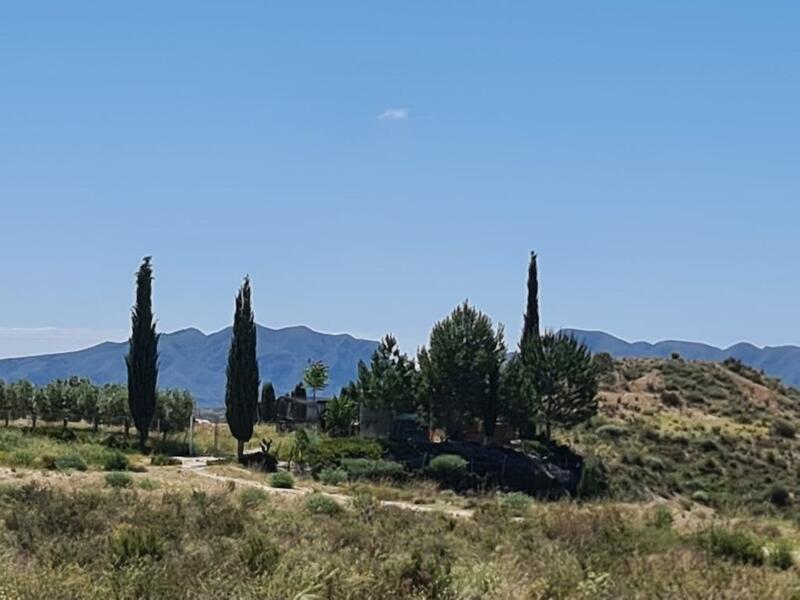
(394, 114)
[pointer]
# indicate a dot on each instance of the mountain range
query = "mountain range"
(776, 361)
(190, 359)
(193, 360)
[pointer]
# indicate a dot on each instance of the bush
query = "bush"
(260, 555)
(118, 479)
(320, 504)
(661, 518)
(70, 461)
(654, 463)
(671, 399)
(329, 452)
(129, 544)
(779, 496)
(784, 428)
(736, 546)
(116, 461)
(147, 484)
(701, 497)
(516, 502)
(364, 468)
(251, 498)
(333, 476)
(282, 480)
(162, 460)
(779, 555)
(447, 465)
(613, 431)
(594, 479)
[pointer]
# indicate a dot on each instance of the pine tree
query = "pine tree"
(530, 328)
(558, 373)
(241, 392)
(460, 371)
(142, 358)
(299, 391)
(266, 408)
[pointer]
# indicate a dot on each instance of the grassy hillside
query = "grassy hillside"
(719, 434)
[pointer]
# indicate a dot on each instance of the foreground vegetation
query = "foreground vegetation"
(212, 541)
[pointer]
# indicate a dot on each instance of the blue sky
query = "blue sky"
(372, 164)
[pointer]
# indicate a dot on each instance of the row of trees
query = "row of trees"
(465, 377)
(78, 399)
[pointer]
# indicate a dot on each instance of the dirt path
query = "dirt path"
(197, 466)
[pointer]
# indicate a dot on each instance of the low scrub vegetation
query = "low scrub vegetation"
(195, 544)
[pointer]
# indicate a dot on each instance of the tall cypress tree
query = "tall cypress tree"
(266, 409)
(241, 391)
(142, 358)
(530, 328)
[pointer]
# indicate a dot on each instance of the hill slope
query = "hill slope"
(778, 361)
(721, 434)
(195, 361)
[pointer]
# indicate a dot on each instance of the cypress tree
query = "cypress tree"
(241, 391)
(266, 410)
(530, 328)
(142, 358)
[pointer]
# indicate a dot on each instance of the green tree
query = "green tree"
(59, 400)
(557, 371)
(530, 327)
(460, 371)
(27, 400)
(389, 382)
(5, 402)
(113, 406)
(267, 408)
(516, 399)
(142, 358)
(174, 410)
(340, 414)
(241, 392)
(316, 377)
(299, 391)
(87, 402)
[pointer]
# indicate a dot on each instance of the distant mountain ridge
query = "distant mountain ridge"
(190, 359)
(775, 361)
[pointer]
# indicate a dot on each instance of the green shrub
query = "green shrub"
(162, 460)
(613, 431)
(70, 462)
(282, 479)
(447, 465)
(702, 497)
(779, 496)
(116, 461)
(129, 544)
(260, 555)
(779, 555)
(661, 518)
(784, 428)
(329, 452)
(654, 463)
(320, 504)
(147, 484)
(594, 479)
(515, 502)
(365, 506)
(117, 479)
(735, 546)
(364, 468)
(671, 399)
(332, 476)
(252, 497)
